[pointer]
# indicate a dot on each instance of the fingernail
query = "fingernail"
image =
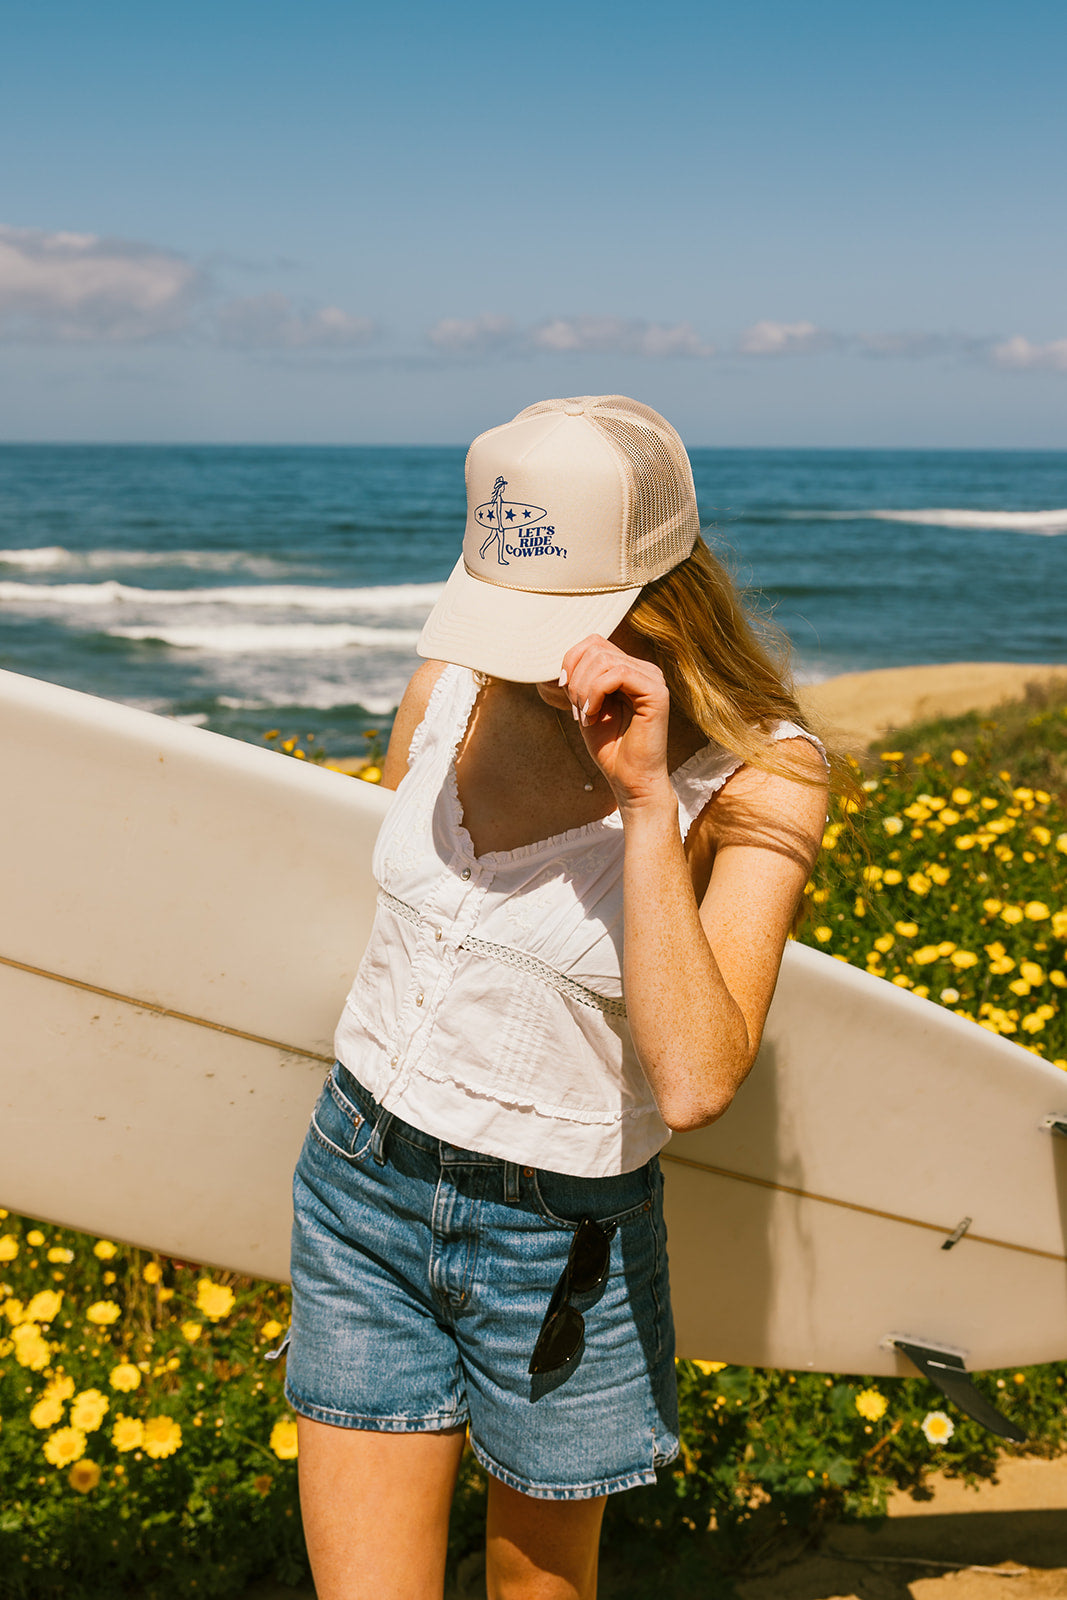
(563, 679)
(574, 709)
(585, 713)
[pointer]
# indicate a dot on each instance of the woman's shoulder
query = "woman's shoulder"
(426, 686)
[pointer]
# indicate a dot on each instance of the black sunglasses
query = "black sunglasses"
(587, 1267)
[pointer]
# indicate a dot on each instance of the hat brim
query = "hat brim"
(515, 633)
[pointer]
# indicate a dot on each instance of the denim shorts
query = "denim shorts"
(421, 1275)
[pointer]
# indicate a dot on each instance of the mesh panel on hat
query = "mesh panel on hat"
(663, 522)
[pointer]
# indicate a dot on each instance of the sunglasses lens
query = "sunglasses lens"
(589, 1257)
(560, 1338)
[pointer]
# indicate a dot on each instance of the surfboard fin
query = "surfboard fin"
(946, 1371)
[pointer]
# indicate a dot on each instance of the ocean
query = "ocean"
(243, 589)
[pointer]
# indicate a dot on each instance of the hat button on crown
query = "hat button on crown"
(574, 408)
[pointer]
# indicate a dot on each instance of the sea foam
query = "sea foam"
(254, 638)
(279, 597)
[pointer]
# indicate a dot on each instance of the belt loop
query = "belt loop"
(377, 1144)
(512, 1192)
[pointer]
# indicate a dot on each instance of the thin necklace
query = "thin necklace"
(574, 755)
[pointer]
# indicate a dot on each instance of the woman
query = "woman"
(579, 929)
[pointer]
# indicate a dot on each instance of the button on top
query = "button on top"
(465, 874)
(437, 933)
(574, 408)
(419, 998)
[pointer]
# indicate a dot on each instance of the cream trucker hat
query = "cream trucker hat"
(571, 509)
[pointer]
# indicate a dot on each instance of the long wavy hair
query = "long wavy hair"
(727, 668)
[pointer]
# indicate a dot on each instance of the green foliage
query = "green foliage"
(954, 884)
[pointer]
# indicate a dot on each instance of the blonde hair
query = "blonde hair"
(726, 670)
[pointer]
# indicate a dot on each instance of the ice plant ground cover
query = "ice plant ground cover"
(145, 1445)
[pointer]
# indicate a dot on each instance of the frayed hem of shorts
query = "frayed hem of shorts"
(568, 1491)
(438, 1422)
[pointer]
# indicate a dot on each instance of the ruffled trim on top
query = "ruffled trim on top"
(704, 774)
(446, 684)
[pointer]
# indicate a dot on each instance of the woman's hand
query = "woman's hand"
(622, 706)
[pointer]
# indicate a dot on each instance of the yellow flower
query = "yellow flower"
(272, 733)
(9, 1247)
(708, 1367)
(1033, 1023)
(1019, 986)
(860, 907)
(824, 933)
(370, 775)
(937, 1427)
(215, 1300)
(926, 953)
(1061, 843)
(1036, 910)
(958, 758)
(103, 1249)
(1031, 972)
(991, 907)
(14, 1311)
(1011, 914)
(60, 1256)
(884, 942)
(891, 875)
(949, 996)
(59, 1387)
(151, 1272)
(64, 1446)
(940, 875)
(128, 1433)
(88, 1409)
(892, 755)
(871, 1405)
(283, 1439)
(1058, 978)
(103, 1313)
(35, 1237)
(963, 958)
(31, 1349)
(919, 883)
(961, 797)
(966, 841)
(125, 1377)
(271, 1329)
(84, 1476)
(44, 1306)
(892, 824)
(47, 1412)
(907, 930)
(1059, 924)
(192, 1331)
(1042, 835)
(162, 1436)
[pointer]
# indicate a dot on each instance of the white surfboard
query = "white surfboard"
(180, 919)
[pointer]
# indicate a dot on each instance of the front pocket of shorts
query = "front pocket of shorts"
(564, 1200)
(339, 1126)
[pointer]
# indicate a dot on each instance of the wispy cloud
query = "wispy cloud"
(472, 335)
(80, 287)
(272, 322)
(1019, 353)
(619, 336)
(785, 339)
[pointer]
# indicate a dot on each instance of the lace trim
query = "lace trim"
(401, 907)
(520, 961)
(540, 969)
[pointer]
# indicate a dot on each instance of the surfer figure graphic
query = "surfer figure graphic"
(497, 517)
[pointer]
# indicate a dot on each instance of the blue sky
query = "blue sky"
(781, 224)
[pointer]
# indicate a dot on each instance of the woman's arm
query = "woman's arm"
(698, 979)
(410, 713)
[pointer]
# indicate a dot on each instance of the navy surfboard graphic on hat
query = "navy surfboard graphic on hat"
(500, 515)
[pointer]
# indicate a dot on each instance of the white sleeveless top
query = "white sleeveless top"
(488, 1007)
